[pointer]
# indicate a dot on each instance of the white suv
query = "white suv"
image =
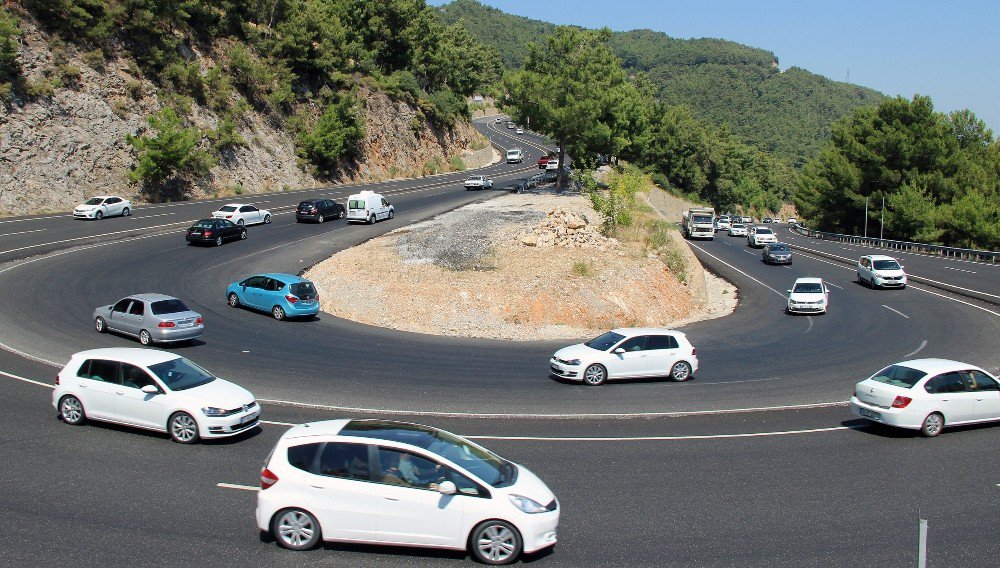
(377, 481)
(880, 271)
(759, 236)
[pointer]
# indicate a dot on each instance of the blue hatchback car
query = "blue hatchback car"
(284, 295)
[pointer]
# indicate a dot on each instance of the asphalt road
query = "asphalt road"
(792, 487)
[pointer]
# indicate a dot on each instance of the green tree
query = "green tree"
(169, 158)
(334, 137)
(10, 32)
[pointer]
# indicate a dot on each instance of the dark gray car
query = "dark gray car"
(153, 318)
(777, 253)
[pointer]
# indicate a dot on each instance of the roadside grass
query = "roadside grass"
(583, 268)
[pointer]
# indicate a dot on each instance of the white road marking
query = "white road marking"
(70, 216)
(917, 350)
(736, 269)
(92, 236)
(237, 486)
(834, 285)
(658, 438)
(895, 310)
(273, 423)
(960, 269)
(155, 215)
(955, 300)
(810, 319)
(27, 380)
(23, 232)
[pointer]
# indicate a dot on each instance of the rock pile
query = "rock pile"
(566, 229)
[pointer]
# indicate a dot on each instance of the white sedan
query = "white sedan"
(808, 296)
(627, 353)
(102, 206)
(243, 214)
(152, 389)
(927, 395)
(519, 131)
(737, 230)
(760, 236)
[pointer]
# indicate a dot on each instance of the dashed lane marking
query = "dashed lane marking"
(658, 438)
(896, 311)
(960, 269)
(237, 486)
(917, 350)
(23, 232)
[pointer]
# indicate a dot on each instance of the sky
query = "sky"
(948, 50)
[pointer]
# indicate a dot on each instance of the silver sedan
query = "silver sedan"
(153, 318)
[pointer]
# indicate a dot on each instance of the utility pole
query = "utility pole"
(866, 217)
(881, 230)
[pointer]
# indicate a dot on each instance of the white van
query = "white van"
(368, 207)
(515, 156)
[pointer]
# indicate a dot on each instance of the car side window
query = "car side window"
(272, 285)
(121, 306)
(946, 383)
(135, 377)
(137, 308)
(113, 200)
(401, 468)
(101, 370)
(304, 456)
(347, 461)
(634, 344)
(384, 203)
(661, 342)
(255, 282)
(979, 382)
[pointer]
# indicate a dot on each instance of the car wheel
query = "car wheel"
(145, 338)
(319, 219)
(932, 425)
(295, 529)
(495, 543)
(343, 213)
(99, 215)
(371, 219)
(100, 325)
(240, 222)
(243, 235)
(233, 300)
(278, 312)
(218, 241)
(267, 219)
(595, 375)
(680, 372)
(392, 213)
(71, 410)
(183, 428)
(126, 212)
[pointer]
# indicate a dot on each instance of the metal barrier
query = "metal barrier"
(935, 250)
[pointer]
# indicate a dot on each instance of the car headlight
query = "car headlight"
(525, 504)
(573, 362)
(213, 411)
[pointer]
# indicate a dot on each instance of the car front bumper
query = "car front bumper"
(564, 371)
(806, 308)
(886, 283)
(84, 214)
(224, 426)
(538, 531)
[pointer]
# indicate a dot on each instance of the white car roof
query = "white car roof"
(234, 205)
(808, 280)
(936, 366)
(135, 355)
(879, 257)
(320, 428)
(633, 331)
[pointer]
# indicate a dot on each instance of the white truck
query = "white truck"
(478, 182)
(699, 222)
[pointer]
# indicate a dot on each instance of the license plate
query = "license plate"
(249, 418)
(195, 233)
(870, 414)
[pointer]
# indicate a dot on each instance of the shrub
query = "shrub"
(69, 75)
(173, 152)
(10, 31)
(457, 164)
(135, 89)
(334, 136)
(94, 58)
(581, 268)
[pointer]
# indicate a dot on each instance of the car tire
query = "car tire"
(267, 219)
(126, 212)
(495, 543)
(100, 325)
(595, 375)
(932, 425)
(233, 300)
(71, 410)
(243, 235)
(392, 213)
(99, 215)
(241, 223)
(343, 213)
(145, 338)
(680, 372)
(295, 529)
(278, 313)
(218, 241)
(319, 218)
(183, 428)
(371, 219)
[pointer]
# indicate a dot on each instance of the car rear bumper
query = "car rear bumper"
(298, 309)
(307, 216)
(900, 418)
(169, 334)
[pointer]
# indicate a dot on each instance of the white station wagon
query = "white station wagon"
(627, 353)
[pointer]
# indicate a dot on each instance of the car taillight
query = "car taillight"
(208, 233)
(166, 324)
(267, 478)
(291, 299)
(694, 351)
(229, 216)
(901, 401)
(57, 379)
(199, 320)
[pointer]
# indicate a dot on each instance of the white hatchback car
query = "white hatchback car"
(927, 395)
(880, 271)
(383, 482)
(243, 214)
(737, 230)
(102, 206)
(759, 236)
(627, 353)
(808, 296)
(152, 389)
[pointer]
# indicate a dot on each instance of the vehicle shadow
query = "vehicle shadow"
(624, 381)
(133, 431)
(410, 552)
(883, 431)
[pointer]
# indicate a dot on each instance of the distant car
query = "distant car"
(542, 161)
(927, 395)
(519, 131)
(880, 271)
(793, 221)
(103, 206)
(746, 219)
(498, 120)
(515, 156)
(737, 230)
(510, 125)
(215, 231)
(319, 210)
(369, 207)
(759, 236)
(478, 182)
(766, 220)
(153, 318)
(724, 223)
(627, 353)
(552, 164)
(808, 296)
(283, 295)
(777, 253)
(243, 214)
(155, 390)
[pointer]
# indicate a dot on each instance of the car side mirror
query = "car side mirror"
(619, 351)
(789, 291)
(150, 389)
(447, 488)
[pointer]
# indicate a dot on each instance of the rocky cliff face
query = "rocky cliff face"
(56, 150)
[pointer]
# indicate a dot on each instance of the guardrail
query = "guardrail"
(935, 250)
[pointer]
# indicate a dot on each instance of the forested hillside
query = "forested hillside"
(786, 113)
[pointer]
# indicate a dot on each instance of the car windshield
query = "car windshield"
(304, 290)
(763, 231)
(739, 226)
(180, 374)
(899, 376)
(94, 201)
(779, 248)
(168, 307)
(702, 218)
(604, 341)
(886, 265)
(306, 204)
(486, 465)
(227, 208)
(204, 224)
(808, 288)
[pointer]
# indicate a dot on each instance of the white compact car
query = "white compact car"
(737, 230)
(152, 389)
(383, 482)
(808, 296)
(627, 353)
(103, 206)
(368, 207)
(927, 395)
(880, 271)
(724, 223)
(243, 214)
(759, 236)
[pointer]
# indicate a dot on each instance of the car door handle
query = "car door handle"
(390, 498)
(317, 487)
